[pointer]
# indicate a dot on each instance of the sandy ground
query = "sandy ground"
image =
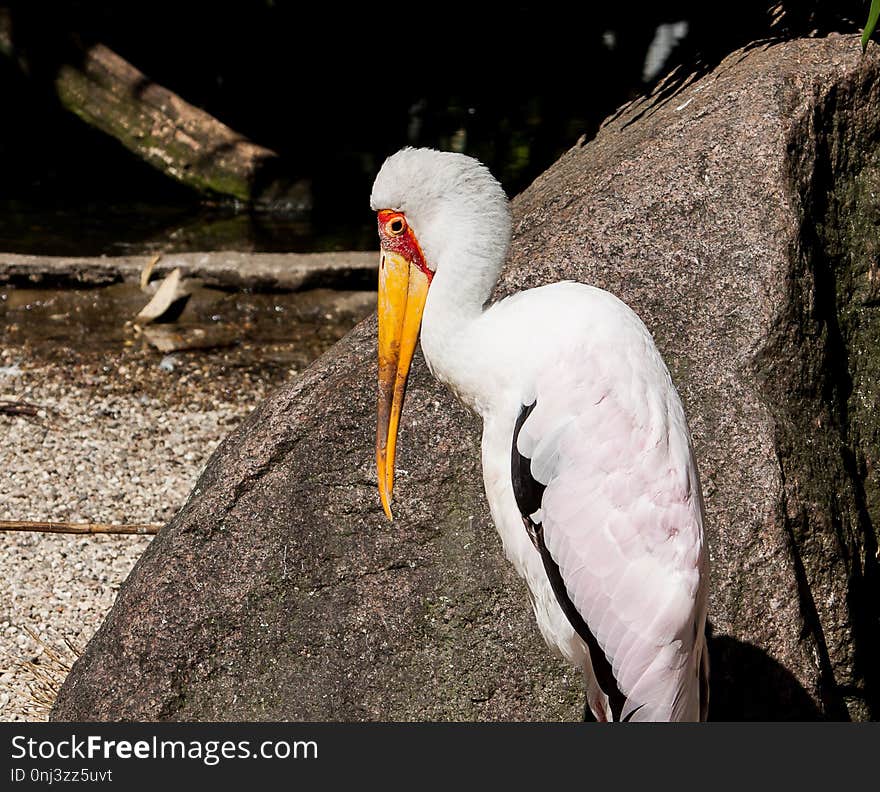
(122, 436)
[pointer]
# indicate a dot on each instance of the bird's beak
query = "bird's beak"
(403, 288)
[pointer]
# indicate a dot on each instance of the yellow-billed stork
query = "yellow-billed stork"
(587, 459)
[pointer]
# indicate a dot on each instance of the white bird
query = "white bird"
(587, 458)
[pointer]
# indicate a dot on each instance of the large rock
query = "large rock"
(738, 217)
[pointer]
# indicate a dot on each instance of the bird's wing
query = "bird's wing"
(621, 515)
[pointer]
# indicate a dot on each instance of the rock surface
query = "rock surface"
(732, 215)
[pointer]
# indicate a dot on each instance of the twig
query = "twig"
(30, 412)
(148, 270)
(37, 679)
(77, 528)
(10, 407)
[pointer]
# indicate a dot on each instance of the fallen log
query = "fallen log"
(160, 127)
(220, 269)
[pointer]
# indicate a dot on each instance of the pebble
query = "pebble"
(123, 448)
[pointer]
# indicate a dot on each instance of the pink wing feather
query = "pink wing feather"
(623, 517)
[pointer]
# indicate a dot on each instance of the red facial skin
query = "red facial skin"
(402, 242)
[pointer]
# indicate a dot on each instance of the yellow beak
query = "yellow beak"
(403, 288)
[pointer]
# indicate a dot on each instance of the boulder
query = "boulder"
(737, 216)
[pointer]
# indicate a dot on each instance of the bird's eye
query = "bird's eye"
(397, 226)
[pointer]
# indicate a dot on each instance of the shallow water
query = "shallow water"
(96, 229)
(245, 328)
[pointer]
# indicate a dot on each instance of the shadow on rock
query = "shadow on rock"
(748, 685)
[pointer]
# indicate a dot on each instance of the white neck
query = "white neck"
(453, 340)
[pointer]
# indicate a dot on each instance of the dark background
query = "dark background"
(334, 89)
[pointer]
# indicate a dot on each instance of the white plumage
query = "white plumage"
(620, 505)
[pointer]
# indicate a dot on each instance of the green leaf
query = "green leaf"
(873, 14)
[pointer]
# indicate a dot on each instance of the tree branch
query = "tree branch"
(77, 528)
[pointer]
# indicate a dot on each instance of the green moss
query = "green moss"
(855, 250)
(124, 118)
(822, 376)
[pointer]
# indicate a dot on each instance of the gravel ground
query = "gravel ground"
(122, 437)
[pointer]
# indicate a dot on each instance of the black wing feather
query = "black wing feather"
(528, 493)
